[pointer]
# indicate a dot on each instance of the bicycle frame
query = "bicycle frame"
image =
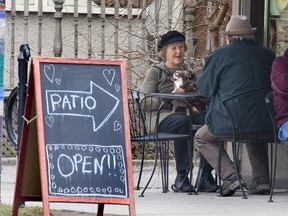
(19, 93)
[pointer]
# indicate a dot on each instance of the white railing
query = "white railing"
(83, 29)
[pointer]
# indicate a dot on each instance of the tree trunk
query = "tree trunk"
(215, 19)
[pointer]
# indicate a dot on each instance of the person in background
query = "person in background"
(241, 65)
(172, 49)
(279, 84)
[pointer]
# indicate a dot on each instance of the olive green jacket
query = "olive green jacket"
(157, 80)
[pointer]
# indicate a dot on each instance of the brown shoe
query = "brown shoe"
(225, 185)
(259, 186)
(232, 186)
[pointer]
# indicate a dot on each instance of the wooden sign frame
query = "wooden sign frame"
(32, 175)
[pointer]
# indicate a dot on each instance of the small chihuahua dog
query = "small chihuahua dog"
(182, 80)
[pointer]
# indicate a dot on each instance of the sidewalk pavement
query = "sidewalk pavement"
(156, 203)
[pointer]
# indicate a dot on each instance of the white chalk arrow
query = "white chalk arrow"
(98, 104)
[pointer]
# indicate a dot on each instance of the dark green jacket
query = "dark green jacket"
(229, 70)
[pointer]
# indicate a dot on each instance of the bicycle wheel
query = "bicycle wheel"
(11, 111)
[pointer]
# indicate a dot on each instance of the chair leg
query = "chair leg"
(167, 168)
(199, 174)
(235, 158)
(141, 166)
(153, 171)
(221, 146)
(273, 170)
(190, 149)
(164, 165)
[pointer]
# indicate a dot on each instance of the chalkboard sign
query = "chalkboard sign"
(82, 130)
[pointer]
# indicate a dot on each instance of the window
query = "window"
(278, 26)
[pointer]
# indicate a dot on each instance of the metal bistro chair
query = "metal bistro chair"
(249, 125)
(140, 134)
(273, 158)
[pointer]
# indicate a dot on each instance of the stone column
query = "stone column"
(58, 29)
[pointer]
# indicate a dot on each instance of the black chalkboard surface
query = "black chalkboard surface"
(82, 129)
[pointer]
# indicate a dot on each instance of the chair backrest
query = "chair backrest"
(249, 115)
(270, 105)
(140, 119)
(137, 120)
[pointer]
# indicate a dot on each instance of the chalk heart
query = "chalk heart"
(49, 120)
(109, 75)
(117, 126)
(49, 71)
(58, 81)
(117, 87)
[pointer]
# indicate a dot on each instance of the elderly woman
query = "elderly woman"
(172, 49)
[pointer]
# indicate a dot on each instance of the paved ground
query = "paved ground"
(156, 203)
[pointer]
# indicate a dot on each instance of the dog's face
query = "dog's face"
(182, 80)
(179, 77)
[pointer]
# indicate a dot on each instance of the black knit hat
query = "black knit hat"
(170, 37)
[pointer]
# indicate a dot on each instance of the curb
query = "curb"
(11, 161)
